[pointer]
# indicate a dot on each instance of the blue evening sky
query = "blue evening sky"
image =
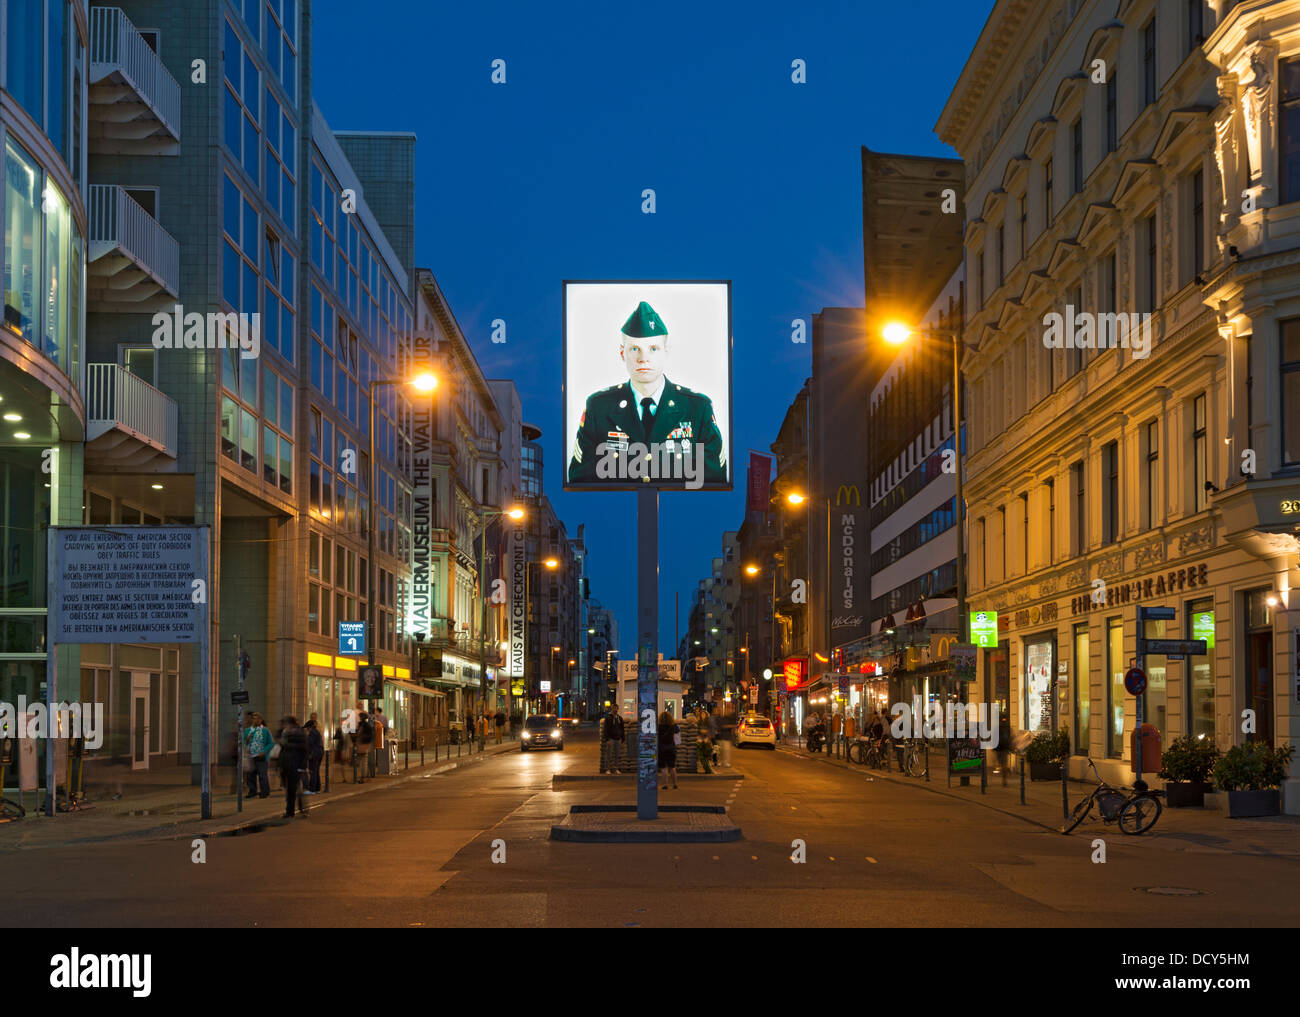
(758, 180)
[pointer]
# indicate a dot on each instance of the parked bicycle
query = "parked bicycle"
(1135, 811)
(911, 757)
(869, 752)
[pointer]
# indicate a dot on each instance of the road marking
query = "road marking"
(753, 858)
(871, 860)
(715, 858)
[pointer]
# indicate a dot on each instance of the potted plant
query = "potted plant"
(1185, 766)
(1045, 753)
(1251, 775)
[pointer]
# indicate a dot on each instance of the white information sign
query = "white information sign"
(128, 584)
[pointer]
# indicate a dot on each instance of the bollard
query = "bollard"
(1065, 796)
(354, 766)
(459, 742)
(927, 760)
(327, 770)
(984, 774)
(1022, 779)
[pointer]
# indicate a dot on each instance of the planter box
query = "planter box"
(1216, 801)
(1250, 804)
(1184, 794)
(1045, 771)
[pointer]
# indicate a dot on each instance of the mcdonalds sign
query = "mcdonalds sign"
(796, 673)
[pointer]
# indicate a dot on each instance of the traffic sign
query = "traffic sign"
(1135, 680)
(352, 638)
(238, 696)
(1181, 647)
(1157, 613)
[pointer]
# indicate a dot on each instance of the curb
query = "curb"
(233, 825)
(560, 832)
(944, 792)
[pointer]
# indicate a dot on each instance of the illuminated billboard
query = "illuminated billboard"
(647, 385)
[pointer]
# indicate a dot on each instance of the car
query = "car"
(755, 730)
(541, 731)
(568, 722)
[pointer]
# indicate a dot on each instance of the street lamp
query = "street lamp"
(485, 513)
(425, 381)
(896, 333)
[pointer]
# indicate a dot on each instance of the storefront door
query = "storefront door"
(139, 720)
(1259, 683)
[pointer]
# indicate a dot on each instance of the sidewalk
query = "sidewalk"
(1200, 830)
(174, 809)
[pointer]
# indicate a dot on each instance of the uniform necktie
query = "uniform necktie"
(647, 416)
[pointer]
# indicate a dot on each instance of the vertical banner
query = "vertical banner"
(518, 606)
(422, 496)
(760, 482)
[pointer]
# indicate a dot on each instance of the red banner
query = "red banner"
(796, 673)
(760, 483)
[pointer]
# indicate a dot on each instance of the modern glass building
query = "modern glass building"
(43, 131)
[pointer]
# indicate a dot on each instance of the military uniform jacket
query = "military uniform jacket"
(683, 417)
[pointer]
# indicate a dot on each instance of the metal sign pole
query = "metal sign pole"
(51, 660)
(647, 684)
(205, 691)
(239, 730)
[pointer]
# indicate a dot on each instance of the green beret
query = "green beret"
(644, 322)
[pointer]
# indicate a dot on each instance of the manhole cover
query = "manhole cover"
(1172, 891)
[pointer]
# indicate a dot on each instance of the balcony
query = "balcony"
(133, 264)
(130, 425)
(135, 103)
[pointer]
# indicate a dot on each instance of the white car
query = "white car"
(755, 730)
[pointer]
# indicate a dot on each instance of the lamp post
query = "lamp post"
(896, 334)
(424, 382)
(515, 513)
(795, 498)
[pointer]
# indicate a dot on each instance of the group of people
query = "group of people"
(298, 749)
(709, 737)
(484, 723)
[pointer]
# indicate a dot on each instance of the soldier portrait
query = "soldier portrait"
(648, 427)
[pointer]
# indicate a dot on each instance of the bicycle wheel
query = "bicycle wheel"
(915, 762)
(11, 810)
(1139, 814)
(1079, 814)
(855, 753)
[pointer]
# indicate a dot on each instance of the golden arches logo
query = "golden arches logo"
(847, 492)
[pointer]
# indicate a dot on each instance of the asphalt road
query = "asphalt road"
(420, 853)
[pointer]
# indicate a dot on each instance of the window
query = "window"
(1110, 492)
(1115, 692)
(1051, 521)
(1079, 524)
(1152, 507)
(1151, 271)
(1288, 130)
(1195, 23)
(1024, 530)
(1289, 344)
(1021, 221)
(1047, 194)
(1082, 691)
(1200, 453)
(1200, 670)
(1002, 539)
(1076, 156)
(1112, 113)
(242, 103)
(1197, 223)
(1149, 94)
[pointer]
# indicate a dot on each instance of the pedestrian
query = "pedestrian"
(315, 753)
(293, 763)
(612, 751)
(704, 741)
(258, 742)
(713, 736)
(363, 742)
(500, 722)
(669, 739)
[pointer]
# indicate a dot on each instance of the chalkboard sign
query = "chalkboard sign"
(965, 756)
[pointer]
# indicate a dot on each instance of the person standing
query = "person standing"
(293, 763)
(837, 725)
(500, 722)
(315, 753)
(612, 751)
(704, 741)
(365, 739)
(258, 743)
(668, 739)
